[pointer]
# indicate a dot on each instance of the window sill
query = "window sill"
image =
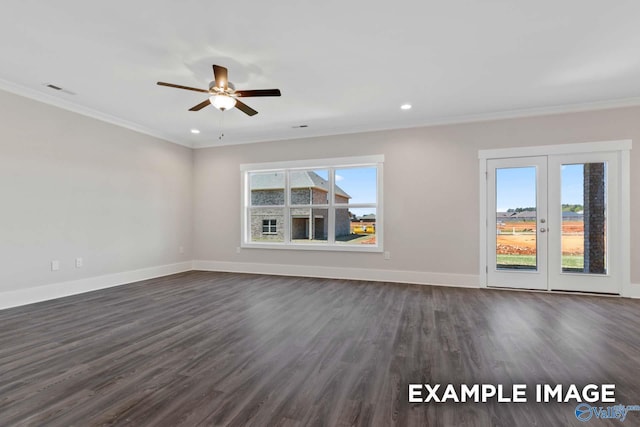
(312, 247)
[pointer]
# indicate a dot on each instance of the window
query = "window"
(329, 204)
(269, 226)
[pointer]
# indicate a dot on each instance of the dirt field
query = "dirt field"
(525, 243)
(371, 240)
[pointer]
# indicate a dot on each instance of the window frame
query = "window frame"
(331, 164)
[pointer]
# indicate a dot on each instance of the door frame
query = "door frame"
(622, 149)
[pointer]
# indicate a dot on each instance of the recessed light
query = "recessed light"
(405, 106)
(195, 131)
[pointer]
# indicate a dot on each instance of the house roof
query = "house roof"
(298, 179)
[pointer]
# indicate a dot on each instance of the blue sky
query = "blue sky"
(359, 183)
(516, 187)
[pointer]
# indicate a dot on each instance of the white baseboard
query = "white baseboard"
(63, 289)
(633, 291)
(398, 276)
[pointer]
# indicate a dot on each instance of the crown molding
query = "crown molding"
(539, 111)
(472, 118)
(443, 121)
(85, 111)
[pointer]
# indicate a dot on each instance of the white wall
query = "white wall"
(72, 186)
(430, 177)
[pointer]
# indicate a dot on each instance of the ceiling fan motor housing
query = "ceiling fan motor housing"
(215, 89)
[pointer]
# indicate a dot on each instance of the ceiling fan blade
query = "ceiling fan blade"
(182, 87)
(245, 108)
(201, 105)
(259, 92)
(220, 75)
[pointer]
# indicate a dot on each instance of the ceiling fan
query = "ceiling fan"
(223, 94)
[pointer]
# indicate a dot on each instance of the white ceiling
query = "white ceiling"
(343, 66)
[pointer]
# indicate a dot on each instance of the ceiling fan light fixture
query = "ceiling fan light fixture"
(222, 102)
(222, 93)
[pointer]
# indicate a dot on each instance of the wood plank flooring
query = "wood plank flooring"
(211, 349)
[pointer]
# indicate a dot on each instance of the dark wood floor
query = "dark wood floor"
(204, 348)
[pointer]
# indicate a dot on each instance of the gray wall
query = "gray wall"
(429, 173)
(72, 186)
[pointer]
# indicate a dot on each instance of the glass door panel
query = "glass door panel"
(584, 198)
(516, 240)
(517, 206)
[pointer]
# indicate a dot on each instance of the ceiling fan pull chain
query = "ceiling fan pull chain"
(221, 126)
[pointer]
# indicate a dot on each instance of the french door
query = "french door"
(517, 222)
(552, 222)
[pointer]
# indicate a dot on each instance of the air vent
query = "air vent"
(58, 88)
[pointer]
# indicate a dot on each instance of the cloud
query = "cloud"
(339, 178)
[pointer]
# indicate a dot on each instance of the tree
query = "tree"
(572, 208)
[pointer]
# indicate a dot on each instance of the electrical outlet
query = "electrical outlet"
(55, 265)
(79, 262)
(387, 255)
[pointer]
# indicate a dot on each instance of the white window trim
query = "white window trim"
(331, 165)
